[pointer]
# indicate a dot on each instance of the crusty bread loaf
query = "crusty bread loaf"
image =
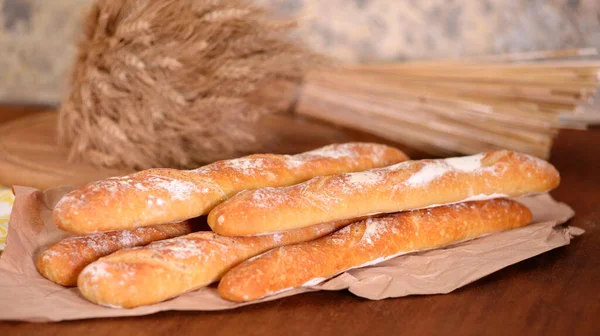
(158, 196)
(62, 262)
(404, 186)
(368, 242)
(165, 269)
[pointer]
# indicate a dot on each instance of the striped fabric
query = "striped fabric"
(6, 202)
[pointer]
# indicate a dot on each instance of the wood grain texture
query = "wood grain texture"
(553, 294)
(11, 112)
(30, 157)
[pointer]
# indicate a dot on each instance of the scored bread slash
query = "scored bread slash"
(368, 242)
(158, 196)
(405, 186)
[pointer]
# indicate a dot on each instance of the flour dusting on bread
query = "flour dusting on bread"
(248, 166)
(374, 228)
(268, 197)
(334, 151)
(177, 248)
(465, 163)
(364, 178)
(428, 173)
(96, 271)
(432, 170)
(177, 189)
(245, 166)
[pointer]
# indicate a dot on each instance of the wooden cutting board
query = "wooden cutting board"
(30, 157)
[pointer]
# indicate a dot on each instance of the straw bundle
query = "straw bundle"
(458, 107)
(168, 83)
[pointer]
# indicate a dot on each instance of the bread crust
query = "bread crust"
(366, 242)
(404, 186)
(62, 262)
(158, 196)
(169, 268)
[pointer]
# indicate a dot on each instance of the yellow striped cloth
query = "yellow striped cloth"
(6, 202)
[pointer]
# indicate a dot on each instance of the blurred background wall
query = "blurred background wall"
(37, 36)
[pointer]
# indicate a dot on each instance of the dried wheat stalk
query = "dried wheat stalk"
(166, 83)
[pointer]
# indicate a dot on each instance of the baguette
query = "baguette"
(368, 242)
(158, 196)
(62, 262)
(169, 268)
(404, 186)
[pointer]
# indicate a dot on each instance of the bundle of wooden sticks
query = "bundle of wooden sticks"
(515, 101)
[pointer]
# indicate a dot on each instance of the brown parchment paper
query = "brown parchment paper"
(25, 295)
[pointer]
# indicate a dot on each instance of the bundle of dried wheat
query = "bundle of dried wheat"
(166, 83)
(459, 107)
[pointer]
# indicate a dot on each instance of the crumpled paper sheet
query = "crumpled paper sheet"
(27, 296)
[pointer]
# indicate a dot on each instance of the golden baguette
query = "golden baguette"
(158, 196)
(169, 268)
(62, 262)
(368, 242)
(404, 186)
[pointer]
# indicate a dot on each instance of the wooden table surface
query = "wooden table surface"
(9, 112)
(557, 293)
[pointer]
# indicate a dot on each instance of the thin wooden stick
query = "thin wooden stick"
(536, 55)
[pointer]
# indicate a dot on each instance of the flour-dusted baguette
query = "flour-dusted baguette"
(404, 186)
(158, 196)
(62, 262)
(169, 268)
(366, 243)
